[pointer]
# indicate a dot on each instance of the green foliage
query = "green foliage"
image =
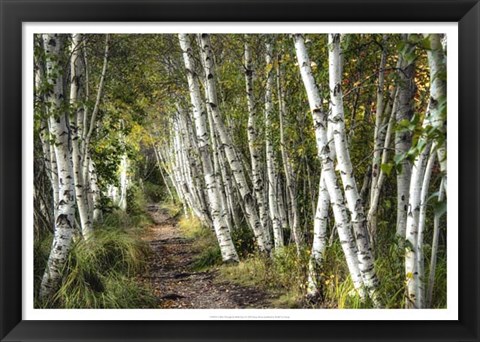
(136, 200)
(243, 240)
(154, 193)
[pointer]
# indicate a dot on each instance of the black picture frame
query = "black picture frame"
(14, 12)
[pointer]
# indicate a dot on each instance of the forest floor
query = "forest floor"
(174, 281)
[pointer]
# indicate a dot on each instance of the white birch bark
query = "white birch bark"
(254, 144)
(229, 254)
(354, 202)
(44, 134)
(229, 192)
(77, 80)
(403, 141)
(228, 147)
(123, 182)
(94, 190)
(269, 151)
(193, 169)
(187, 174)
(438, 95)
(65, 215)
(89, 171)
(320, 237)
(342, 220)
(216, 153)
(412, 229)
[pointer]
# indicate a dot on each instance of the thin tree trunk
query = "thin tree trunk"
(217, 155)
(229, 254)
(377, 188)
(378, 142)
(403, 140)
(162, 174)
(77, 84)
(421, 229)
(93, 192)
(354, 202)
(47, 148)
(342, 220)
(230, 153)
(254, 144)
(433, 259)
(438, 96)
(270, 154)
(412, 228)
(287, 167)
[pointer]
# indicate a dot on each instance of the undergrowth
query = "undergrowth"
(285, 275)
(101, 272)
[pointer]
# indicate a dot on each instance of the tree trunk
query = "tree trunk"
(354, 202)
(230, 153)
(254, 145)
(77, 93)
(433, 259)
(89, 172)
(438, 96)
(319, 240)
(229, 254)
(65, 215)
(421, 229)
(287, 167)
(272, 175)
(412, 228)
(377, 136)
(342, 220)
(403, 140)
(377, 188)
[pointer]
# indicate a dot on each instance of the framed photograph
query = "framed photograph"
(240, 170)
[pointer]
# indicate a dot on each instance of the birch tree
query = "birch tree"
(77, 96)
(354, 202)
(88, 167)
(229, 254)
(269, 151)
(403, 138)
(54, 46)
(438, 97)
(287, 165)
(342, 220)
(227, 144)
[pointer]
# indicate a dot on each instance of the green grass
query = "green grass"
(283, 275)
(204, 243)
(101, 272)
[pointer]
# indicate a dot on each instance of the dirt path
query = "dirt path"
(174, 282)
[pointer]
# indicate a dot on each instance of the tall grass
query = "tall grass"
(101, 272)
(204, 243)
(285, 275)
